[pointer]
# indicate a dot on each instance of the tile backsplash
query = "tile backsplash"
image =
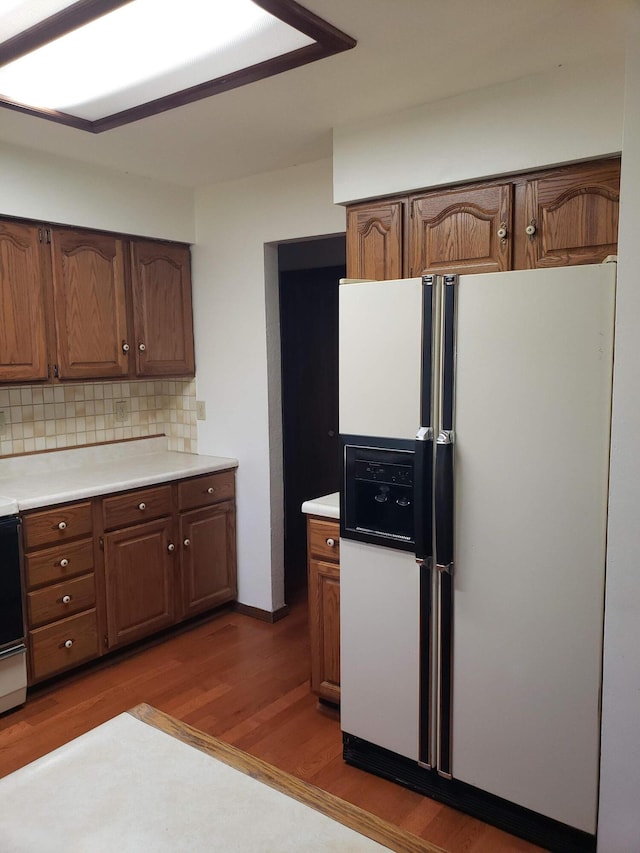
(47, 417)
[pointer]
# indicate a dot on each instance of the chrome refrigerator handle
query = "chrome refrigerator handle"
(444, 514)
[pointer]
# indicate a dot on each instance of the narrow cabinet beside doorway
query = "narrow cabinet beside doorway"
(323, 548)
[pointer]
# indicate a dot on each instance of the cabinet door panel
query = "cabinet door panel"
(575, 215)
(374, 241)
(139, 578)
(23, 340)
(324, 627)
(458, 231)
(161, 286)
(89, 304)
(208, 557)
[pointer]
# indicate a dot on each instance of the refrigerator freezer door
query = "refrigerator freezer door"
(380, 342)
(533, 395)
(379, 646)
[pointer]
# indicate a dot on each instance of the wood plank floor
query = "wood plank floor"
(247, 683)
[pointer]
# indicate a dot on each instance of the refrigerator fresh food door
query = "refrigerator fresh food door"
(380, 341)
(532, 415)
(379, 646)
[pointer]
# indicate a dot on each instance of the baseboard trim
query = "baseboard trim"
(262, 615)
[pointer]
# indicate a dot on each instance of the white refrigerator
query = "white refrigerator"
(471, 640)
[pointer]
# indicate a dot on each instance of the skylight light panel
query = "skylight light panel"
(143, 51)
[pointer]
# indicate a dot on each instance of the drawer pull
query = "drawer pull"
(210, 490)
(331, 543)
(68, 644)
(64, 562)
(171, 547)
(187, 542)
(66, 599)
(62, 525)
(142, 505)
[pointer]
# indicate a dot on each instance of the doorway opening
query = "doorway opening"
(308, 273)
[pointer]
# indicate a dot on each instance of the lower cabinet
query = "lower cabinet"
(139, 573)
(103, 573)
(323, 549)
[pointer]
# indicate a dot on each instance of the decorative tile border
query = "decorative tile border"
(53, 416)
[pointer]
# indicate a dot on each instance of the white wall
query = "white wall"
(567, 114)
(619, 820)
(57, 190)
(237, 346)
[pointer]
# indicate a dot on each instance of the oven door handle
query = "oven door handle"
(14, 650)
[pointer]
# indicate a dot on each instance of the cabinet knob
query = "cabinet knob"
(502, 232)
(125, 346)
(210, 490)
(187, 542)
(68, 644)
(171, 547)
(531, 229)
(64, 562)
(141, 347)
(66, 599)
(62, 525)
(142, 505)
(331, 543)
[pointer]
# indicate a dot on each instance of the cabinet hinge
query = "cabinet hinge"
(105, 640)
(48, 235)
(48, 371)
(101, 543)
(40, 235)
(55, 371)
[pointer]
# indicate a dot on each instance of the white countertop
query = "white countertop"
(327, 506)
(43, 479)
(126, 786)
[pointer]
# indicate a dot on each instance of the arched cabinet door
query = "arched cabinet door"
(375, 241)
(461, 231)
(89, 304)
(571, 216)
(162, 318)
(23, 340)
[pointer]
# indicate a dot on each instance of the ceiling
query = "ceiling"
(409, 52)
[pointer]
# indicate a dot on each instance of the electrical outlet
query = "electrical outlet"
(3, 423)
(201, 410)
(122, 410)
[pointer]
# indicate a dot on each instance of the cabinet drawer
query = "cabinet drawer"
(47, 648)
(321, 534)
(57, 564)
(61, 600)
(202, 491)
(136, 507)
(57, 525)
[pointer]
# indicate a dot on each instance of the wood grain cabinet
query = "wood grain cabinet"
(78, 304)
(207, 542)
(61, 589)
(89, 304)
(323, 549)
(162, 313)
(106, 572)
(23, 330)
(139, 564)
(555, 217)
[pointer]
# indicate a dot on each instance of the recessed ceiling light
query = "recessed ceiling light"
(147, 56)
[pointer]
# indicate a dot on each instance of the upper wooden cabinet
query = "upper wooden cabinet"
(566, 215)
(23, 335)
(162, 313)
(572, 214)
(89, 304)
(374, 241)
(461, 231)
(78, 304)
